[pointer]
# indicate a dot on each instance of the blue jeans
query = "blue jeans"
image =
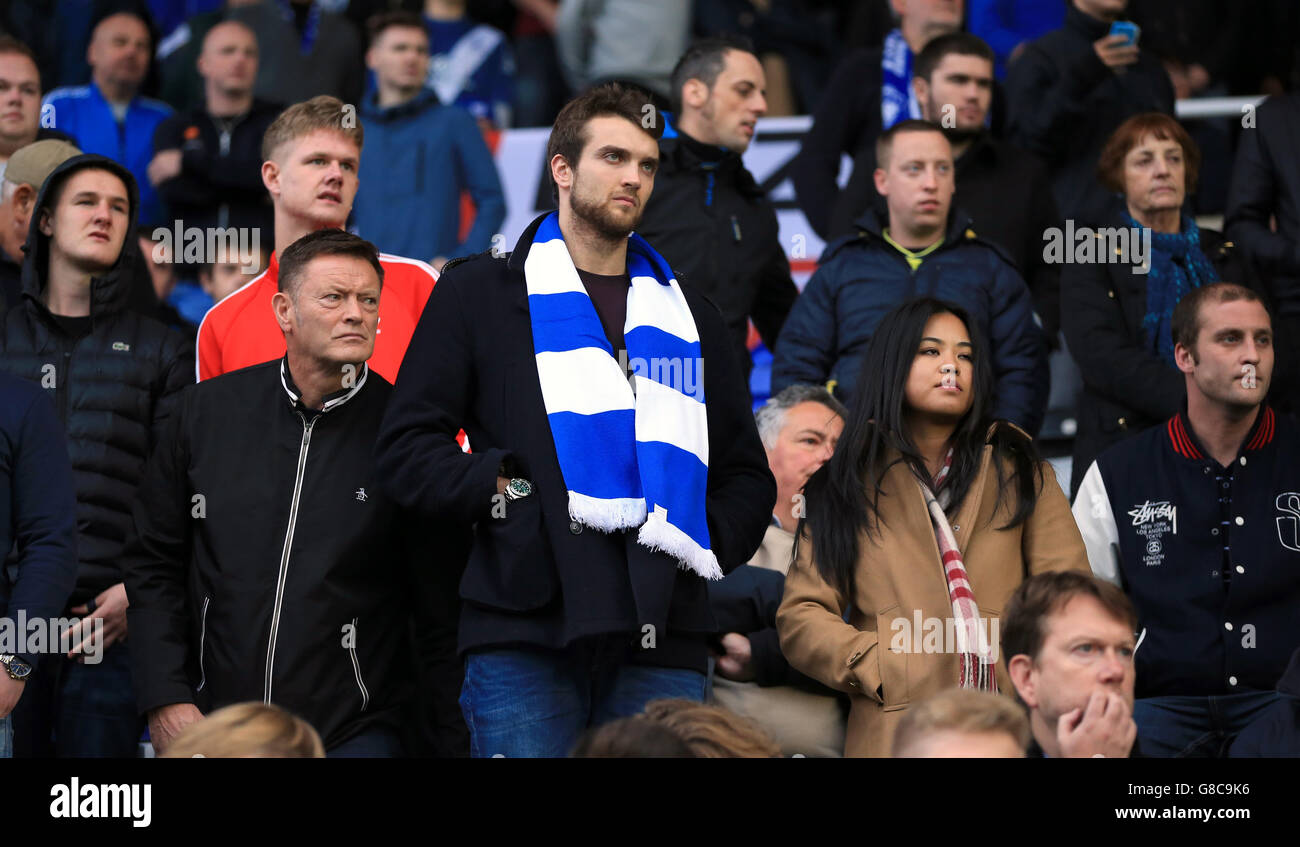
(376, 743)
(1196, 727)
(6, 737)
(81, 710)
(532, 703)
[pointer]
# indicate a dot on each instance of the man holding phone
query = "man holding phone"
(1070, 89)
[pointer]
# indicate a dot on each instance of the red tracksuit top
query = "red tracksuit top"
(241, 330)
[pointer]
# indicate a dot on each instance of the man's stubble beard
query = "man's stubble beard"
(597, 218)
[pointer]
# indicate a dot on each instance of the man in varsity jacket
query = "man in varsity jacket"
(1198, 520)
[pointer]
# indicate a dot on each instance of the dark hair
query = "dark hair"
(569, 133)
(1186, 322)
(9, 44)
(885, 143)
(57, 181)
(377, 24)
(1045, 594)
(938, 49)
(323, 242)
(1110, 167)
(843, 496)
(704, 60)
(636, 737)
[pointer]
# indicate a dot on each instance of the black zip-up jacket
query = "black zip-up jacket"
(1126, 387)
(535, 576)
(719, 233)
(1063, 103)
(273, 568)
(220, 183)
(1266, 186)
(113, 388)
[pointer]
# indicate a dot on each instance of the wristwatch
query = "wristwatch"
(517, 489)
(16, 667)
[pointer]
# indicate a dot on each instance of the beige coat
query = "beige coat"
(880, 657)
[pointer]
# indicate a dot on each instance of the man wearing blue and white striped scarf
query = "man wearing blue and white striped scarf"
(601, 393)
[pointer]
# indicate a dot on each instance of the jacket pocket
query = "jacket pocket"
(510, 564)
(203, 638)
(356, 666)
(893, 661)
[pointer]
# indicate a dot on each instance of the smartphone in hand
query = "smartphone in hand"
(1128, 29)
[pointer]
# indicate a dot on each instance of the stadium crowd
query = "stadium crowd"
(454, 494)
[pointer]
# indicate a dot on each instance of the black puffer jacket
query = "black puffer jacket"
(112, 388)
(719, 233)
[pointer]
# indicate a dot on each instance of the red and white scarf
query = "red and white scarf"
(978, 662)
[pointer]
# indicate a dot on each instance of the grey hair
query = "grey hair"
(770, 417)
(7, 190)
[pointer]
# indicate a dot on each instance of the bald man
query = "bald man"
(207, 163)
(108, 116)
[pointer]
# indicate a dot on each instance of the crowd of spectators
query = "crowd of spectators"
(278, 399)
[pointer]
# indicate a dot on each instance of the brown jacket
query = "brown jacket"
(899, 581)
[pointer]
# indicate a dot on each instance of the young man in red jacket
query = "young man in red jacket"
(311, 154)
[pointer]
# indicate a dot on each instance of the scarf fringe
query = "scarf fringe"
(658, 534)
(611, 515)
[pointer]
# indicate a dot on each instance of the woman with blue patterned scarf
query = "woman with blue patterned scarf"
(1118, 293)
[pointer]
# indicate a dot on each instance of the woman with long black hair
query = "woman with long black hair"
(917, 530)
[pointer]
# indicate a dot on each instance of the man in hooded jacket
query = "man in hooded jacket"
(113, 375)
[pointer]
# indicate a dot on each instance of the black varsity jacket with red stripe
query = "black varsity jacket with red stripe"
(1210, 555)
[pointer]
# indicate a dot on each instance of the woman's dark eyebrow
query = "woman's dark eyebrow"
(939, 341)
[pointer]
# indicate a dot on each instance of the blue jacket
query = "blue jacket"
(83, 113)
(1162, 520)
(861, 278)
(418, 158)
(1005, 24)
(38, 509)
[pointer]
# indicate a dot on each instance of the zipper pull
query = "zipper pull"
(735, 229)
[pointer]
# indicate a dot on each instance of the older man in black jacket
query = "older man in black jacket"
(707, 216)
(599, 511)
(113, 375)
(1070, 89)
(273, 568)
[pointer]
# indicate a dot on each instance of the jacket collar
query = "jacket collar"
(525, 242)
(421, 102)
(1085, 24)
(1183, 439)
(332, 401)
(873, 223)
(684, 153)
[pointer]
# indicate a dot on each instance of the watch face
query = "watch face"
(18, 669)
(520, 487)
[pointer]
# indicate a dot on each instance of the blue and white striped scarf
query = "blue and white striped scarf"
(628, 459)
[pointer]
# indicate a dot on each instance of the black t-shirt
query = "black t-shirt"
(609, 295)
(76, 328)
